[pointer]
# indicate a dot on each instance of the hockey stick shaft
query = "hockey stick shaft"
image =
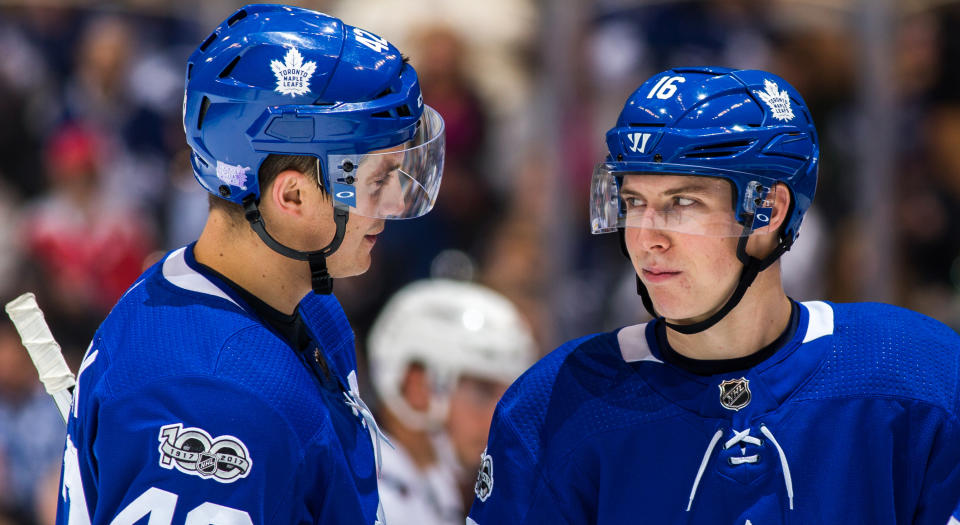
(47, 357)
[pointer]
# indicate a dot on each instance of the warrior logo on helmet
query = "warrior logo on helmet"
(484, 485)
(779, 101)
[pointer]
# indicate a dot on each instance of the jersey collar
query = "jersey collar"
(771, 382)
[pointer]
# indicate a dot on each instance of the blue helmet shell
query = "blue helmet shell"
(287, 80)
(734, 124)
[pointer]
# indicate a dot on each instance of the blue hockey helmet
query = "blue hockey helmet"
(274, 79)
(749, 127)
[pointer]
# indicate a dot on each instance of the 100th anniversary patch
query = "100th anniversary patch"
(192, 451)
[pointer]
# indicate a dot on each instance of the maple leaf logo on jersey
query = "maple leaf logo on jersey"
(779, 101)
(293, 76)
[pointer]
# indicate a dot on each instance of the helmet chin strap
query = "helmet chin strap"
(320, 279)
(751, 268)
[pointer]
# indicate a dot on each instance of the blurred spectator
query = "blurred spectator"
(109, 92)
(86, 248)
(930, 220)
(11, 258)
(31, 433)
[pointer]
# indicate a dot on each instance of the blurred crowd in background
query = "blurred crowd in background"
(95, 182)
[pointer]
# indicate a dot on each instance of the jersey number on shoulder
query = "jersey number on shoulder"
(156, 503)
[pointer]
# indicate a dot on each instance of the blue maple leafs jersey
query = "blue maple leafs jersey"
(854, 420)
(190, 410)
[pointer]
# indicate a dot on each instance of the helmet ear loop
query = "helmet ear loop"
(751, 268)
(320, 280)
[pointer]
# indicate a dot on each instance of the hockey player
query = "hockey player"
(441, 354)
(221, 389)
(735, 405)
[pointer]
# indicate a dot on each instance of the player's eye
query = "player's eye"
(684, 202)
(633, 202)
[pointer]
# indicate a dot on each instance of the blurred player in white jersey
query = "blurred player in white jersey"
(441, 354)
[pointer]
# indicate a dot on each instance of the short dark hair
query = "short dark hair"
(272, 166)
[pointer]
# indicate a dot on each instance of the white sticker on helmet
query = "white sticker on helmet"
(293, 75)
(232, 175)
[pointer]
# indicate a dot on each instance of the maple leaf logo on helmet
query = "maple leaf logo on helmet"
(779, 101)
(293, 76)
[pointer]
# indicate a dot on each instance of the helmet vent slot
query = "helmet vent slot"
(227, 70)
(206, 43)
(404, 111)
(189, 70)
(385, 92)
(382, 114)
(718, 150)
(238, 16)
(204, 106)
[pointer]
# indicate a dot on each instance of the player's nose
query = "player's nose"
(652, 239)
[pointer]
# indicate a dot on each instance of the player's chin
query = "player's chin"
(673, 307)
(360, 264)
(687, 312)
(344, 264)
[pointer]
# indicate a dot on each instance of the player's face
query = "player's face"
(379, 184)
(317, 229)
(379, 194)
(688, 276)
(472, 403)
(353, 256)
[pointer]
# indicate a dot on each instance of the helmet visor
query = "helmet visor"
(400, 182)
(680, 202)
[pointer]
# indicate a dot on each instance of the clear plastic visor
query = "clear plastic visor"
(678, 202)
(400, 182)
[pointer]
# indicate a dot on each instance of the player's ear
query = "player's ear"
(781, 206)
(285, 191)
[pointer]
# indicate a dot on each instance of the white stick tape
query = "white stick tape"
(45, 352)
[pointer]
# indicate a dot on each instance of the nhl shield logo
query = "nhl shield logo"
(484, 484)
(735, 393)
(207, 465)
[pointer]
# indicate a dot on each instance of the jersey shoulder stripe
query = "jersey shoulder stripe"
(888, 351)
(177, 322)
